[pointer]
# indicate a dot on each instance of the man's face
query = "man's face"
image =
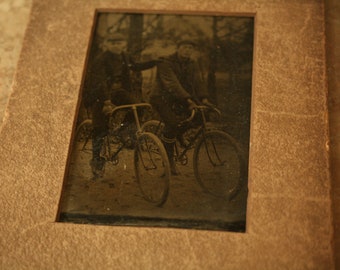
(116, 46)
(185, 50)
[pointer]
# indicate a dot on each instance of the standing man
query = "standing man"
(179, 86)
(108, 84)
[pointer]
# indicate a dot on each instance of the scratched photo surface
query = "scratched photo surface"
(161, 137)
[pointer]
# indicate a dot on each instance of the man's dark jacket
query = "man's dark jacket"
(109, 72)
(178, 80)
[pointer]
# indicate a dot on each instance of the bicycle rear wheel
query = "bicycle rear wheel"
(84, 135)
(152, 168)
(219, 165)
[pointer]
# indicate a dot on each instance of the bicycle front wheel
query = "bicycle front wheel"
(153, 126)
(152, 168)
(219, 165)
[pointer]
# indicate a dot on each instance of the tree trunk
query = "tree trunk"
(212, 65)
(135, 45)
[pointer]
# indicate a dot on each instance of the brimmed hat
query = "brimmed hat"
(115, 36)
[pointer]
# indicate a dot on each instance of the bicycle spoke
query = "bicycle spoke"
(150, 159)
(219, 165)
(215, 152)
(83, 136)
(152, 168)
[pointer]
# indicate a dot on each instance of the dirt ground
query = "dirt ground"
(116, 199)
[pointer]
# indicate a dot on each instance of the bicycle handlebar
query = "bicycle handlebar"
(192, 115)
(130, 106)
(200, 108)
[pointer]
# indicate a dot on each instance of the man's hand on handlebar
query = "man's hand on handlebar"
(191, 104)
(108, 107)
(206, 102)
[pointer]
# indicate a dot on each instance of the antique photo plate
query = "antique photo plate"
(288, 207)
(133, 185)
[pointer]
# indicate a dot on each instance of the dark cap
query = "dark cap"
(115, 36)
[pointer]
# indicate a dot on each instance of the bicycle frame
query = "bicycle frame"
(134, 107)
(200, 132)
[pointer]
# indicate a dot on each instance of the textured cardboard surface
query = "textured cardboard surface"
(13, 21)
(289, 207)
(332, 11)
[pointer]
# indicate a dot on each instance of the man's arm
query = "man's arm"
(99, 78)
(139, 66)
(97, 88)
(143, 65)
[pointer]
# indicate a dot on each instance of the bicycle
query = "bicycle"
(84, 134)
(218, 161)
(151, 163)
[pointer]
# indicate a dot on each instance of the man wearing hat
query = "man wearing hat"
(107, 84)
(179, 86)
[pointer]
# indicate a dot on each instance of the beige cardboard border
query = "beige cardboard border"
(96, 12)
(289, 214)
(332, 16)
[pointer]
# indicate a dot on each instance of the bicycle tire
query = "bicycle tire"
(84, 135)
(149, 156)
(219, 164)
(153, 126)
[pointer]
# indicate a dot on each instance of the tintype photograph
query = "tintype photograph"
(161, 136)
